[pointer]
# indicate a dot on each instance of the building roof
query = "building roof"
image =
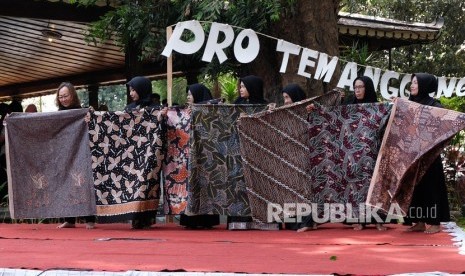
(382, 33)
(29, 62)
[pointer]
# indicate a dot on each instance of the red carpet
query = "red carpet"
(330, 249)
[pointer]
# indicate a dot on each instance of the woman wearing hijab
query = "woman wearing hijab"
(250, 90)
(364, 91)
(197, 94)
(140, 91)
(66, 99)
(429, 204)
(293, 93)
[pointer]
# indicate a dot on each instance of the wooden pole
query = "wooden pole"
(169, 81)
(169, 70)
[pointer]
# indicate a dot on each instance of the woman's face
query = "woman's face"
(414, 87)
(243, 91)
(64, 96)
(287, 99)
(190, 98)
(359, 89)
(133, 94)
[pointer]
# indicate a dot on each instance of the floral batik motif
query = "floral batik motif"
(127, 151)
(415, 136)
(175, 164)
(344, 143)
(216, 180)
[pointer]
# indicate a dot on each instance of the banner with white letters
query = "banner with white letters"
(313, 64)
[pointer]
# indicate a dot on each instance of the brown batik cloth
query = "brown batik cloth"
(274, 146)
(414, 138)
(49, 165)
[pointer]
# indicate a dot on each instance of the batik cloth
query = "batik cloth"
(49, 165)
(344, 144)
(415, 136)
(216, 180)
(127, 152)
(274, 146)
(175, 163)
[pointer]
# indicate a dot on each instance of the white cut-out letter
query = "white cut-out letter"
(248, 54)
(213, 47)
(287, 48)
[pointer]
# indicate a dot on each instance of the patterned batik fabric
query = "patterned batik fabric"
(216, 180)
(48, 165)
(274, 147)
(127, 151)
(415, 136)
(344, 144)
(175, 164)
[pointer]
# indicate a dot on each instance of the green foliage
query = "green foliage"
(442, 57)
(140, 25)
(137, 25)
(228, 84)
(256, 15)
(357, 53)
(453, 157)
(178, 92)
(83, 96)
(461, 222)
(454, 103)
(113, 96)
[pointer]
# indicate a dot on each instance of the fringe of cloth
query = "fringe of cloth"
(458, 235)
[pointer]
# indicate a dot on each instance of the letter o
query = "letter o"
(248, 54)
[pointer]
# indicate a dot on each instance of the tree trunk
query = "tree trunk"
(133, 66)
(314, 26)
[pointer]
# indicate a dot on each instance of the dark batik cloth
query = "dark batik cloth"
(175, 164)
(216, 180)
(274, 146)
(414, 139)
(49, 165)
(127, 151)
(344, 144)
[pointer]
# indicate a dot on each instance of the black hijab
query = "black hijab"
(370, 94)
(143, 87)
(295, 92)
(254, 86)
(200, 93)
(427, 84)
